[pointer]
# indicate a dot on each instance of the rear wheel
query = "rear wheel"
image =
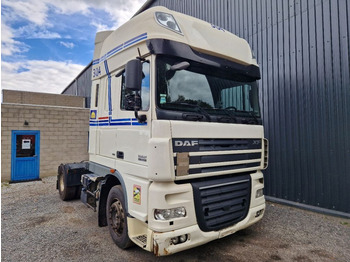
(117, 217)
(66, 193)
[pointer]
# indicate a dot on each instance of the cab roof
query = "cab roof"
(198, 34)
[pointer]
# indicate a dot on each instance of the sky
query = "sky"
(45, 44)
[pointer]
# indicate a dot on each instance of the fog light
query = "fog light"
(179, 239)
(259, 193)
(166, 214)
(258, 213)
(175, 240)
(183, 238)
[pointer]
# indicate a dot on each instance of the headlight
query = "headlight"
(168, 21)
(167, 214)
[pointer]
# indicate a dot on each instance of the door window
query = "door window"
(25, 145)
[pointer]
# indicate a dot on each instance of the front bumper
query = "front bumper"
(162, 244)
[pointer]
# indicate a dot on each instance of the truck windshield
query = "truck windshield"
(188, 90)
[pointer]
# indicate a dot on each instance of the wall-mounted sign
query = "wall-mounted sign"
(26, 143)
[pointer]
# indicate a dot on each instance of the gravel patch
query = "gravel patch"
(37, 226)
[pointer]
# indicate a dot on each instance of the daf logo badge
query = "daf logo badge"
(186, 143)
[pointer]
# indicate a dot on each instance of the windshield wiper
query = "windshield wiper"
(199, 110)
(231, 114)
(253, 115)
(192, 117)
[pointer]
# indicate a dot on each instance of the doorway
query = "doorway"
(25, 155)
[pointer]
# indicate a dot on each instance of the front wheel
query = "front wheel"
(117, 217)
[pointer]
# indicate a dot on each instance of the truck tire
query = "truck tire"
(117, 217)
(66, 193)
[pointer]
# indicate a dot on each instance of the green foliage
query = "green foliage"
(5, 184)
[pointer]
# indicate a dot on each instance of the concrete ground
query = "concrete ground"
(37, 226)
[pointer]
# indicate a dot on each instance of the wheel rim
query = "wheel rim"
(61, 183)
(117, 217)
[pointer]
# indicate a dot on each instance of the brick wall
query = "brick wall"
(63, 134)
(32, 98)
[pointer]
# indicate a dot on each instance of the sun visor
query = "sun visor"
(173, 48)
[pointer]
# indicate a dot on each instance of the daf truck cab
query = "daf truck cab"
(176, 142)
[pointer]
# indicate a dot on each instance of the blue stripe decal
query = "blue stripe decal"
(117, 122)
(121, 124)
(135, 38)
(109, 95)
(133, 42)
(119, 48)
(106, 67)
(114, 50)
(139, 124)
(109, 89)
(100, 122)
(121, 119)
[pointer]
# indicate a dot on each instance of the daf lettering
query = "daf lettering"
(256, 142)
(186, 143)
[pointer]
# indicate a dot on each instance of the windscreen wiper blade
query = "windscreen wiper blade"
(192, 117)
(200, 109)
(253, 115)
(231, 114)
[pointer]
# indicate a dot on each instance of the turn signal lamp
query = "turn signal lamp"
(259, 193)
(167, 21)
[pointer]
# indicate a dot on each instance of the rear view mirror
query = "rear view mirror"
(133, 75)
(133, 82)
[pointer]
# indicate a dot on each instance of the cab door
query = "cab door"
(133, 136)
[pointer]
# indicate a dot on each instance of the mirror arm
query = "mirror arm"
(140, 57)
(140, 118)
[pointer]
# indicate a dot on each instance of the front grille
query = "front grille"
(216, 156)
(221, 202)
(228, 144)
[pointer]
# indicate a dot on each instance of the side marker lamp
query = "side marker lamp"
(167, 21)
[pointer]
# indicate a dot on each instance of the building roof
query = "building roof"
(82, 72)
(145, 6)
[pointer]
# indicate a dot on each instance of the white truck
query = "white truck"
(176, 142)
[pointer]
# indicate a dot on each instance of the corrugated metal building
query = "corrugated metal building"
(303, 50)
(81, 85)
